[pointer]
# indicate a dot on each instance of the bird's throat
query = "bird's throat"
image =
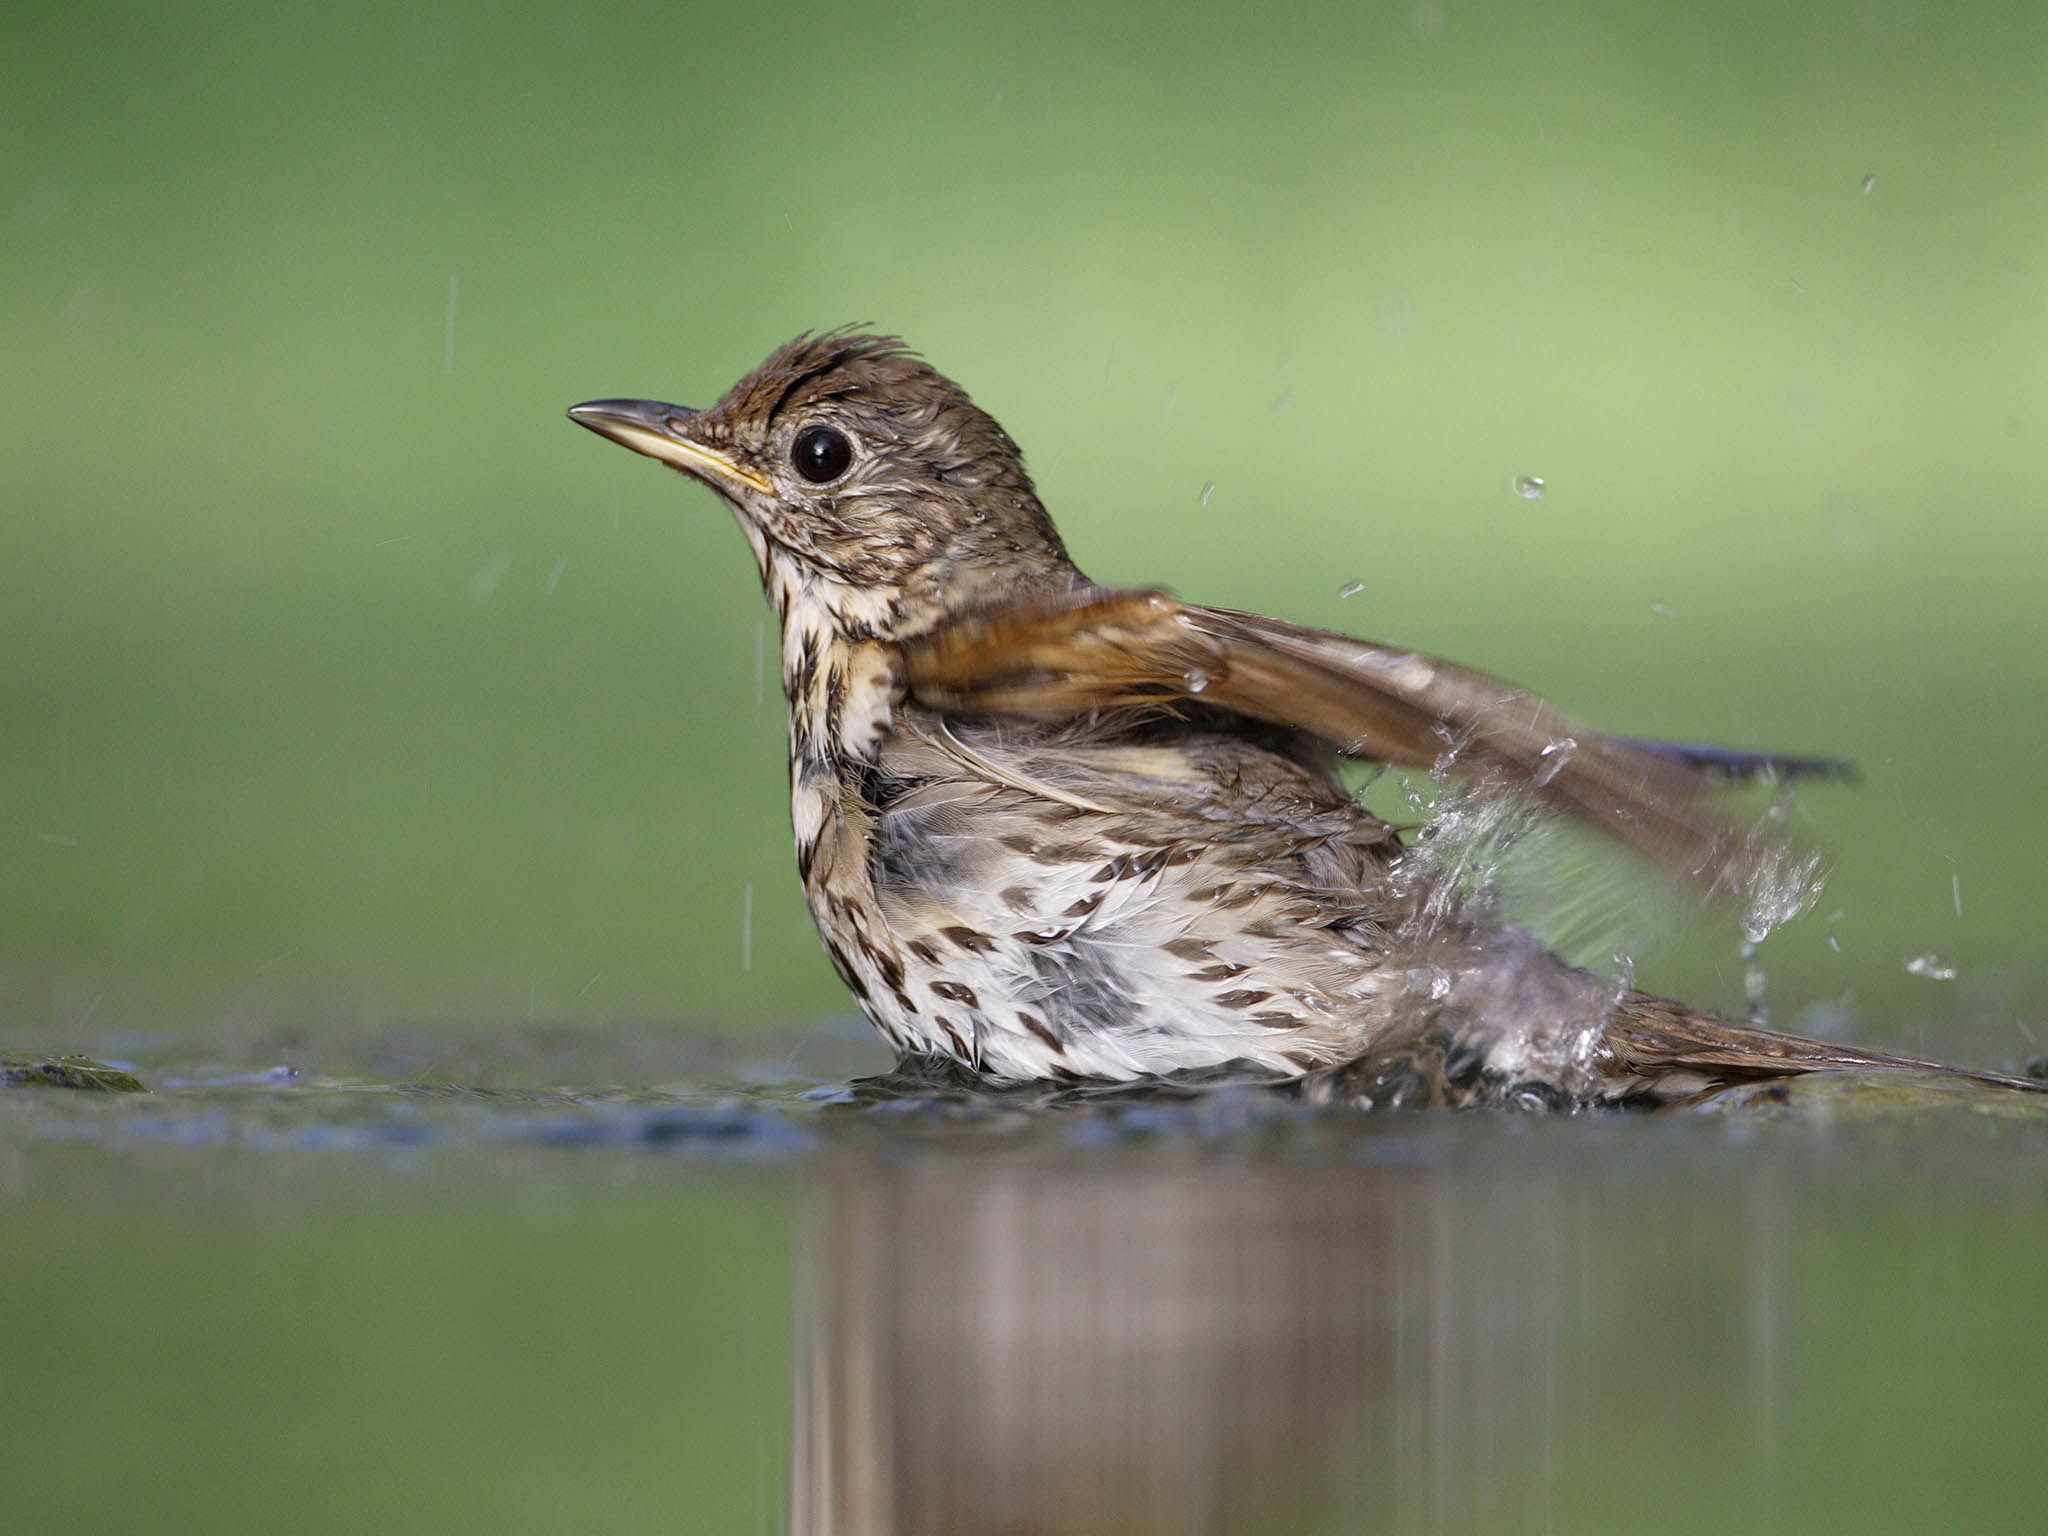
(842, 693)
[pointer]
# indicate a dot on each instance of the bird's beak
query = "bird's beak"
(663, 432)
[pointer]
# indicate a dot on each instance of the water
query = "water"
(522, 1279)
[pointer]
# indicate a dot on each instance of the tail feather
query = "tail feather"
(1660, 1049)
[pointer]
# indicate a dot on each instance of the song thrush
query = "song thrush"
(1053, 830)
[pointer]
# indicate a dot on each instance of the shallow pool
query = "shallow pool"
(520, 1280)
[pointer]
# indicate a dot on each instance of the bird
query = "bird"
(1057, 832)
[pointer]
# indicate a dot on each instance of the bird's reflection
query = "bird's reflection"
(1003, 1343)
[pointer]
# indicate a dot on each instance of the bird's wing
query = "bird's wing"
(1099, 648)
(1735, 763)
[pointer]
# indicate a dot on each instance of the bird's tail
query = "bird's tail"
(1657, 1050)
(1516, 1028)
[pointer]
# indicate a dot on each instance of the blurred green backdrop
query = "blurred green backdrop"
(341, 677)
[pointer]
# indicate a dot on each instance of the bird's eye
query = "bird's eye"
(821, 454)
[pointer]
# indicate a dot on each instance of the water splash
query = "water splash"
(1487, 857)
(1780, 881)
(1784, 884)
(1537, 920)
(1933, 967)
(1454, 869)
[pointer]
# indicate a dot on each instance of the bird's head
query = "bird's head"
(863, 474)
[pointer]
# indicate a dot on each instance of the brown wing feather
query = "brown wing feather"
(1100, 648)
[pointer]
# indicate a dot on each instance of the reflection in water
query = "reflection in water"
(1170, 1344)
(998, 1347)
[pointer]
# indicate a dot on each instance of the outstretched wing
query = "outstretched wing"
(1099, 648)
(1733, 763)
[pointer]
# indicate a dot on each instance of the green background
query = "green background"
(343, 679)
(360, 713)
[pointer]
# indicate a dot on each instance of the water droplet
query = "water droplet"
(1208, 490)
(1665, 609)
(1351, 589)
(483, 581)
(1753, 979)
(1556, 754)
(1932, 967)
(1869, 182)
(1431, 981)
(1528, 487)
(1196, 681)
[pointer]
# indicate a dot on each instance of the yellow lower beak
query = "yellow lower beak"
(662, 432)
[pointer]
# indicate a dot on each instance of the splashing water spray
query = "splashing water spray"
(1783, 886)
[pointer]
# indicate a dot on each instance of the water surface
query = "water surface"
(532, 1280)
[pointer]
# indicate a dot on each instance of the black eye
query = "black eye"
(821, 454)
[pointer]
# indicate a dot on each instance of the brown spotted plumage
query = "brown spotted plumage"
(1052, 830)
